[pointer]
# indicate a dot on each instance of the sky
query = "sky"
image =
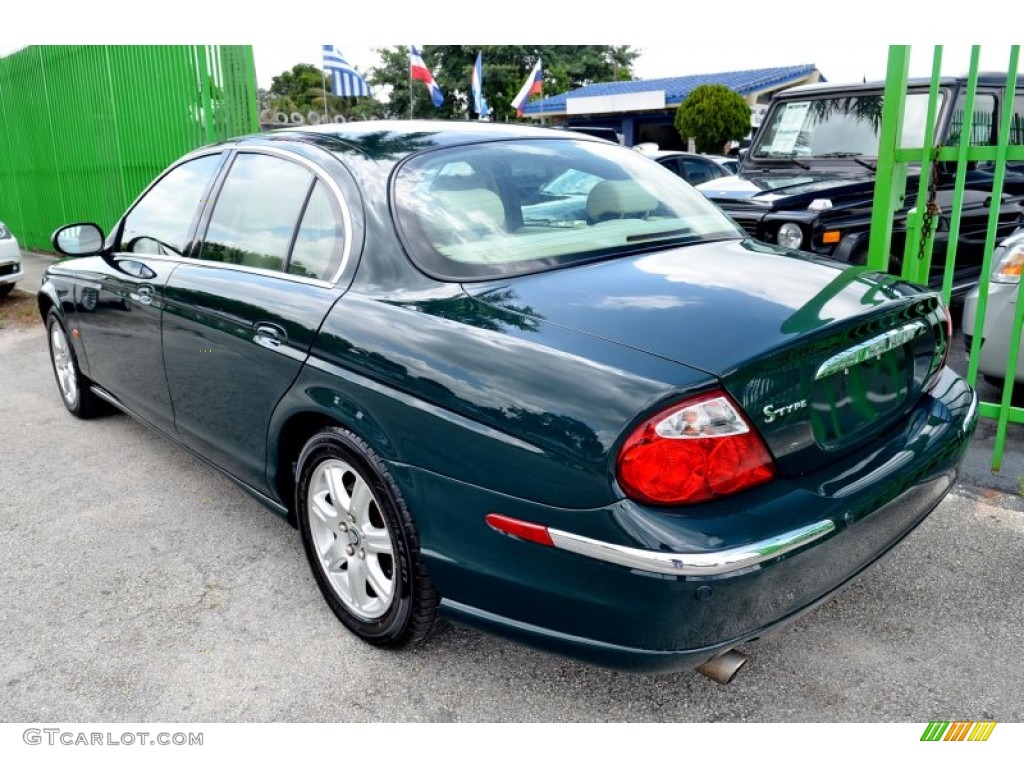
(846, 43)
(660, 59)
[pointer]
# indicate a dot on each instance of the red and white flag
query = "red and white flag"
(534, 84)
(419, 71)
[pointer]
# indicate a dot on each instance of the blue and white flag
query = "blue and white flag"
(345, 81)
(479, 102)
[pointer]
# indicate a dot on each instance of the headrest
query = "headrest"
(461, 215)
(619, 198)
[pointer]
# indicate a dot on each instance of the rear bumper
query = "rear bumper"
(767, 597)
(768, 555)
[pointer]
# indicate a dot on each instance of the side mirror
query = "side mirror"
(78, 240)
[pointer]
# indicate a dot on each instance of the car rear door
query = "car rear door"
(240, 318)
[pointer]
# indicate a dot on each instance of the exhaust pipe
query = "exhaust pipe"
(723, 667)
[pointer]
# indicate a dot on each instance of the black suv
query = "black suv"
(809, 176)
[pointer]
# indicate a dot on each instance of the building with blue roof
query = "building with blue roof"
(645, 110)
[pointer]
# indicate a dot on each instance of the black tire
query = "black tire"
(74, 388)
(999, 384)
(5, 289)
(379, 590)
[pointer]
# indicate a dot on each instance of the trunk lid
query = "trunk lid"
(820, 357)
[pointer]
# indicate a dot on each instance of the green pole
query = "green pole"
(993, 223)
(961, 175)
(891, 177)
(917, 258)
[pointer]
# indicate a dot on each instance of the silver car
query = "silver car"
(10, 261)
(1007, 263)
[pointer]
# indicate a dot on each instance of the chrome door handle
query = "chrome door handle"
(269, 335)
(145, 295)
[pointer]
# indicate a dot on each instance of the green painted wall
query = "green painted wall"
(83, 129)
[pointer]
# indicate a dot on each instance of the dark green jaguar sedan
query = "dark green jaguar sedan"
(521, 378)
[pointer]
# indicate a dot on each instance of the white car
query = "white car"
(10, 261)
(1007, 264)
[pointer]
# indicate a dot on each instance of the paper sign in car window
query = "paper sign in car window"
(791, 124)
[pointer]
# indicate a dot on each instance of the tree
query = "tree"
(302, 89)
(505, 69)
(713, 115)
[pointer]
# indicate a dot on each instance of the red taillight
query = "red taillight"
(694, 451)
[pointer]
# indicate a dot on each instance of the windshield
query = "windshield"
(836, 126)
(512, 207)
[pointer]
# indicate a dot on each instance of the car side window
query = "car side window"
(161, 221)
(320, 242)
(257, 211)
(983, 126)
(673, 165)
(697, 171)
(1017, 121)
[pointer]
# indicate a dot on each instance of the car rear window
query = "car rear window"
(512, 207)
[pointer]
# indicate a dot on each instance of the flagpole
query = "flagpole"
(324, 74)
(541, 95)
(410, 87)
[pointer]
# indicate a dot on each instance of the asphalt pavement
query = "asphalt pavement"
(142, 586)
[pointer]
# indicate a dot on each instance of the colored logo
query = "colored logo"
(960, 730)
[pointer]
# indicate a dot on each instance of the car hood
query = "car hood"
(772, 188)
(711, 306)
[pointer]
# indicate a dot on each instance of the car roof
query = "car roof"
(660, 153)
(984, 78)
(393, 139)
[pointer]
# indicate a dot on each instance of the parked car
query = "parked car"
(808, 179)
(631, 434)
(696, 169)
(608, 134)
(731, 164)
(10, 261)
(1007, 262)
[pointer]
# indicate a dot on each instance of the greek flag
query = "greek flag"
(345, 81)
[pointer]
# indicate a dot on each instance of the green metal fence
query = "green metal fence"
(85, 128)
(977, 144)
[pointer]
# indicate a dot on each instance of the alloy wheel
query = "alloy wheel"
(351, 539)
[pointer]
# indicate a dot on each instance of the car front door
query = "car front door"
(240, 319)
(118, 305)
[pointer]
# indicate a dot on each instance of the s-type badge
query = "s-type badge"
(771, 413)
